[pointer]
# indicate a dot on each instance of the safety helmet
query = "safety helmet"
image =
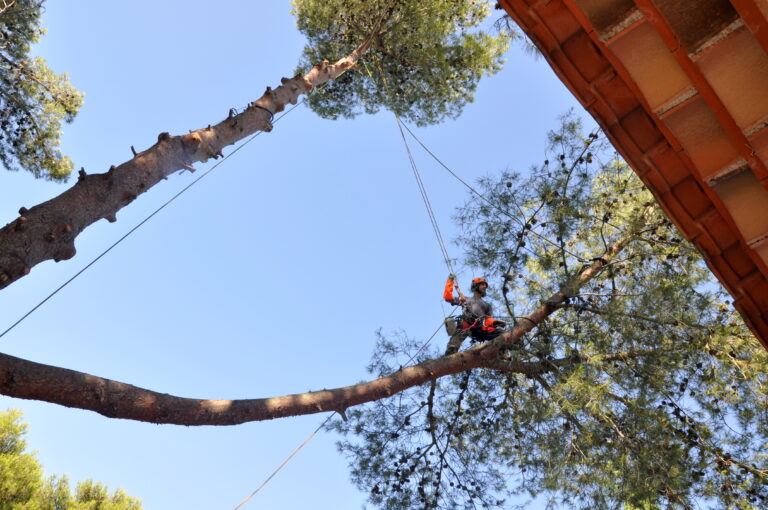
(476, 282)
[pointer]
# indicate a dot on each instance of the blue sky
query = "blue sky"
(268, 277)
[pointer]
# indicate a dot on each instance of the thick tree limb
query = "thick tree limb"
(48, 230)
(25, 379)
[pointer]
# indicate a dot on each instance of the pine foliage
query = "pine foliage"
(424, 62)
(34, 100)
(644, 390)
(22, 486)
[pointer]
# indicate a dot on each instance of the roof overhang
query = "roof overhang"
(681, 89)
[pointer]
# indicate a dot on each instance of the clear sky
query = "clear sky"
(268, 277)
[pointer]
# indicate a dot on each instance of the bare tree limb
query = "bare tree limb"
(48, 230)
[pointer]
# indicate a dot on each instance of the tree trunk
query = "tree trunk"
(48, 230)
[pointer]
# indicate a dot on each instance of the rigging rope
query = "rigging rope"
(486, 200)
(281, 466)
(416, 174)
(425, 198)
(309, 438)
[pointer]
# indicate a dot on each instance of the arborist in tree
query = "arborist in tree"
(476, 320)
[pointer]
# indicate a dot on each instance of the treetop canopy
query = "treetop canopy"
(424, 62)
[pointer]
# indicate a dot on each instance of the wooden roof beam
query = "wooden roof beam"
(610, 94)
(755, 19)
(739, 140)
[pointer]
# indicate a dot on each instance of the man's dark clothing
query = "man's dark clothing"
(476, 319)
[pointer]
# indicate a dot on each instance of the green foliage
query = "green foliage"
(20, 472)
(644, 390)
(425, 59)
(34, 101)
(92, 495)
(23, 488)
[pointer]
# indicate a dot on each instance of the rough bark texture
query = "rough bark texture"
(48, 230)
(25, 379)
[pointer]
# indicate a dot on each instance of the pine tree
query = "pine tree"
(424, 62)
(640, 389)
(22, 486)
(34, 100)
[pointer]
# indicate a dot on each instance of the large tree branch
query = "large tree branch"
(48, 230)
(25, 379)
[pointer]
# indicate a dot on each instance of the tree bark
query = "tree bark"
(29, 380)
(48, 230)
